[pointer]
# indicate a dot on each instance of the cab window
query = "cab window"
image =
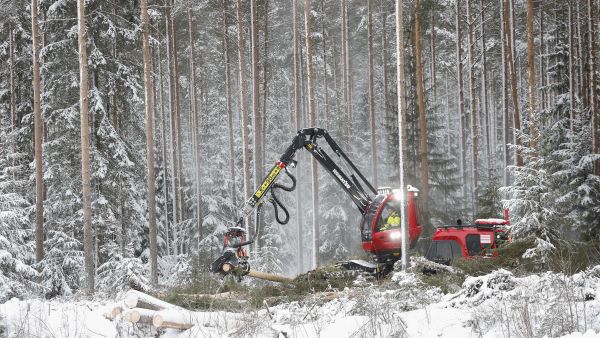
(444, 251)
(389, 218)
(473, 245)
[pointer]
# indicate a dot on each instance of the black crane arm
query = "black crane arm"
(307, 138)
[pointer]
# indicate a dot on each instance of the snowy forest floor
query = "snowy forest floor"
(328, 302)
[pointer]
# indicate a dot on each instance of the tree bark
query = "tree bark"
(461, 104)
(312, 120)
(178, 130)
(505, 128)
(173, 128)
(149, 142)
(37, 116)
(298, 123)
(228, 101)
(513, 85)
(402, 131)
(325, 84)
(243, 101)
(484, 94)
(196, 127)
(163, 129)
(592, 70)
(571, 71)
(371, 92)
(422, 120)
(88, 236)
(256, 113)
(473, 108)
(532, 84)
(13, 96)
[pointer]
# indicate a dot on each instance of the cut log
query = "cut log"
(222, 295)
(137, 299)
(113, 310)
(173, 319)
(139, 316)
(269, 276)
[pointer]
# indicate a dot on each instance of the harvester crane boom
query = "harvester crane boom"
(307, 138)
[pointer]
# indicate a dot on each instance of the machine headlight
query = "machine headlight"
(396, 235)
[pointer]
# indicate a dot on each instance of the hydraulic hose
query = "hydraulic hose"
(277, 203)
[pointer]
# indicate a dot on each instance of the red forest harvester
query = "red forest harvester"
(462, 241)
(379, 223)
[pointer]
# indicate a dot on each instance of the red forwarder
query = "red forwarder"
(462, 241)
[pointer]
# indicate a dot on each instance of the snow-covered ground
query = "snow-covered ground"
(495, 305)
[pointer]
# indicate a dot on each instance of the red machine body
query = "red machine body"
(385, 243)
(474, 240)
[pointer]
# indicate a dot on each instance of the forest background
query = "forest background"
(186, 105)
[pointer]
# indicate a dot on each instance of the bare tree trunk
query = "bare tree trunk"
(461, 104)
(505, 128)
(37, 116)
(196, 127)
(298, 122)
(149, 142)
(243, 100)
(582, 59)
(88, 236)
(542, 68)
(592, 69)
(345, 69)
(172, 127)
(163, 141)
(178, 130)
(513, 80)
(312, 120)
(484, 98)
(532, 84)
(13, 96)
(325, 84)
(422, 119)
(473, 106)
(265, 85)
(571, 73)
(384, 60)
(228, 101)
(402, 130)
(371, 92)
(256, 112)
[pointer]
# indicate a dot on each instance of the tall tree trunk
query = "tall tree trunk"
(228, 101)
(265, 87)
(196, 126)
(178, 130)
(532, 84)
(582, 59)
(243, 101)
(513, 84)
(345, 69)
(461, 104)
(473, 106)
(149, 142)
(13, 96)
(484, 93)
(371, 92)
(324, 55)
(172, 127)
(542, 68)
(298, 122)
(402, 130)
(256, 125)
(312, 120)
(422, 119)
(163, 137)
(384, 59)
(571, 71)
(505, 128)
(37, 116)
(592, 70)
(88, 236)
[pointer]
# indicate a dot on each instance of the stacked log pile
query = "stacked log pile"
(140, 308)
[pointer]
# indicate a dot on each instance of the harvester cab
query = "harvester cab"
(480, 239)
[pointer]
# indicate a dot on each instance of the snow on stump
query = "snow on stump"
(173, 319)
